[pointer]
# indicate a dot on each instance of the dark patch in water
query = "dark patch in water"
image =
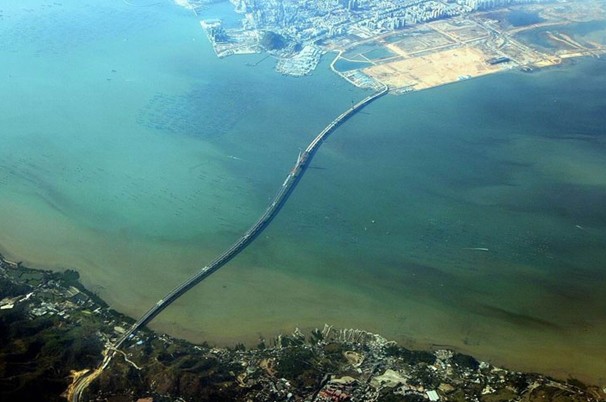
(519, 18)
(576, 203)
(206, 112)
(521, 320)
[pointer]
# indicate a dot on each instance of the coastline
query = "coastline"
(428, 53)
(343, 361)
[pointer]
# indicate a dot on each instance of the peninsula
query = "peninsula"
(409, 45)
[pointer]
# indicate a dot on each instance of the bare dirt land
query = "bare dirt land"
(446, 51)
(433, 69)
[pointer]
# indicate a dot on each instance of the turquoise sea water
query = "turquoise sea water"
(129, 151)
(346, 65)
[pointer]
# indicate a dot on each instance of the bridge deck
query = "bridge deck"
(278, 201)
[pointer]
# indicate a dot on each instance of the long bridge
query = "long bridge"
(251, 234)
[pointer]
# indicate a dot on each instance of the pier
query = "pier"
(246, 239)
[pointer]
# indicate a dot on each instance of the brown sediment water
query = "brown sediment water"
(452, 216)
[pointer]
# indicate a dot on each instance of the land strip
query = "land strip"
(411, 45)
(51, 316)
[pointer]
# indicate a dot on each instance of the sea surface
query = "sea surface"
(470, 215)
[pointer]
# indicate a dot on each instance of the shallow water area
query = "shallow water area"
(469, 215)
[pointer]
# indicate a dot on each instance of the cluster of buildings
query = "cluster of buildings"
(51, 296)
(489, 4)
(305, 20)
(355, 364)
(307, 24)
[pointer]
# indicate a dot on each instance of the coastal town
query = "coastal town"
(408, 45)
(50, 315)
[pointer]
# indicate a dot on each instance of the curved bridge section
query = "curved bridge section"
(272, 210)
